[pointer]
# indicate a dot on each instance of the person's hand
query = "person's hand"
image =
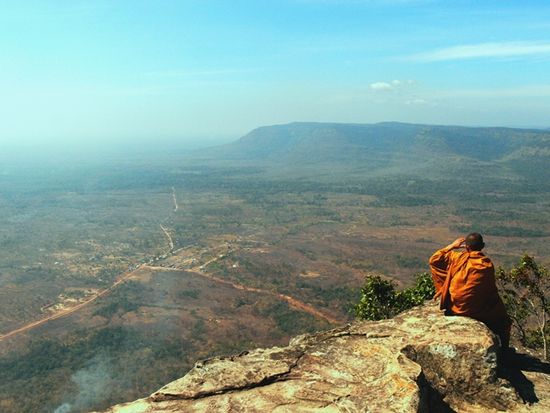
(457, 243)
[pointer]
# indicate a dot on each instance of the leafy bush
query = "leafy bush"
(525, 290)
(422, 290)
(380, 299)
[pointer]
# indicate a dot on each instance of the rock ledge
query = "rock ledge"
(419, 361)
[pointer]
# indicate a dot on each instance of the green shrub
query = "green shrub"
(379, 298)
(422, 290)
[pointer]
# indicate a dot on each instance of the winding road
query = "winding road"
(71, 310)
(300, 305)
(196, 270)
(169, 237)
(293, 302)
(102, 293)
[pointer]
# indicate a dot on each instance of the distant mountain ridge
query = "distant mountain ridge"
(476, 142)
(392, 147)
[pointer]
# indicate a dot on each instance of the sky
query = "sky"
(100, 72)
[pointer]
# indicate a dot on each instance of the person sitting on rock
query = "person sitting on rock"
(465, 284)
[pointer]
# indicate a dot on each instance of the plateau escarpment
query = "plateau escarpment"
(418, 361)
(393, 148)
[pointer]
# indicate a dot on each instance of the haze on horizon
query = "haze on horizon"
(98, 72)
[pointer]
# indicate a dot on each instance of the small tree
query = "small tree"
(379, 298)
(525, 290)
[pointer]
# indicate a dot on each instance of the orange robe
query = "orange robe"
(465, 283)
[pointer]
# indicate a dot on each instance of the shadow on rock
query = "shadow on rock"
(512, 368)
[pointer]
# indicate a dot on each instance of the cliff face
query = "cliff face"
(418, 361)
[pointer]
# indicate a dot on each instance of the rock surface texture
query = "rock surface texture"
(420, 361)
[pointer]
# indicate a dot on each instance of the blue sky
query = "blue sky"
(75, 72)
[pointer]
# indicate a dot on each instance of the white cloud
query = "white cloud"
(381, 86)
(485, 50)
(391, 86)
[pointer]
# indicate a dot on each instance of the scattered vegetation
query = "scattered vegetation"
(191, 293)
(68, 226)
(117, 362)
(525, 290)
(290, 321)
(123, 300)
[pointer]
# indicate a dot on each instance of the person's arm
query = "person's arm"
(439, 264)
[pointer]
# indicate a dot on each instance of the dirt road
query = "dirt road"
(195, 270)
(169, 237)
(79, 306)
(293, 302)
(175, 199)
(71, 310)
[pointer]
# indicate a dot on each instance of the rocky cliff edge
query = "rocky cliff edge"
(419, 361)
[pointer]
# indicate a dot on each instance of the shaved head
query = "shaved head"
(474, 241)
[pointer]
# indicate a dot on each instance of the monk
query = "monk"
(464, 280)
